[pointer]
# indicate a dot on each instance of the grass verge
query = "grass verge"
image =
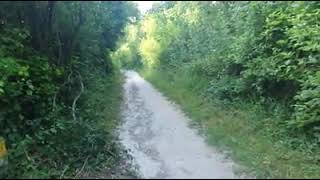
(255, 137)
(102, 103)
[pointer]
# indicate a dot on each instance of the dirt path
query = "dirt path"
(158, 137)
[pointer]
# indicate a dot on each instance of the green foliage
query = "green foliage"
(308, 104)
(256, 139)
(65, 144)
(287, 54)
(53, 56)
(236, 53)
(25, 84)
(263, 51)
(128, 46)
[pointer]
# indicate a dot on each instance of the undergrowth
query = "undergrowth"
(74, 147)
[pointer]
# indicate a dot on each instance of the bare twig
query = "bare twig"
(77, 97)
(62, 174)
(84, 164)
(27, 155)
(54, 104)
(110, 152)
(69, 77)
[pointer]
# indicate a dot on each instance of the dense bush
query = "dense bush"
(261, 51)
(52, 56)
(291, 50)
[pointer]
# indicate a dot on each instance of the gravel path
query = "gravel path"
(158, 137)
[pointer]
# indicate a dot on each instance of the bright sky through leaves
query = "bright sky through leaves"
(144, 5)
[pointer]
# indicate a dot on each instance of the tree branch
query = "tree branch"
(77, 97)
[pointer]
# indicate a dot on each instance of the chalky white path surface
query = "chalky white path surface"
(157, 135)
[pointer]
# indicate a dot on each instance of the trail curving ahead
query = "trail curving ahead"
(158, 137)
